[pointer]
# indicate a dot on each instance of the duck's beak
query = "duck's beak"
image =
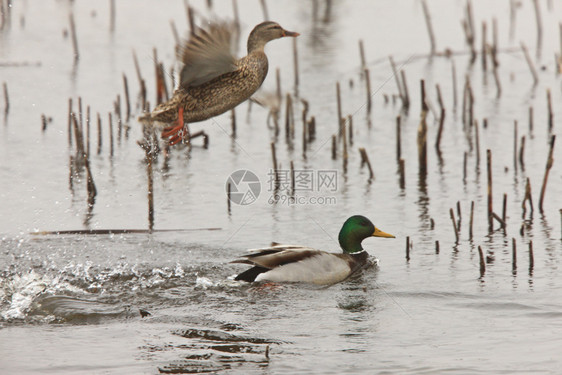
(290, 33)
(380, 233)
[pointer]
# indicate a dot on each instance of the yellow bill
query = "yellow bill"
(380, 233)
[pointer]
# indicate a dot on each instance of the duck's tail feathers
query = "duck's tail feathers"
(251, 274)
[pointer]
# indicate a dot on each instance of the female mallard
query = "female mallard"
(212, 81)
(303, 264)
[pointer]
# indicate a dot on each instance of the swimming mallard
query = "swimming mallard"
(212, 80)
(303, 264)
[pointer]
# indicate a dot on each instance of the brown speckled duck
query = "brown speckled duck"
(212, 80)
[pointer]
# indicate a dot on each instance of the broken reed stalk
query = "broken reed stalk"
(549, 108)
(399, 84)
(477, 136)
(549, 163)
(350, 128)
(80, 153)
(468, 104)
(137, 67)
(110, 135)
(489, 172)
(470, 224)
(464, 164)
(407, 248)
(292, 172)
(531, 257)
(80, 114)
(70, 122)
(296, 63)
(398, 138)
(149, 174)
(88, 131)
(368, 87)
(144, 103)
(515, 136)
(470, 31)
(82, 157)
(311, 129)
(305, 106)
(7, 99)
(422, 133)
(452, 214)
(499, 220)
(531, 119)
(459, 215)
(522, 153)
(530, 63)
(406, 99)
(365, 160)
(338, 96)
(436, 247)
(539, 26)
(344, 141)
(233, 121)
(289, 118)
(483, 53)
(228, 190)
(334, 145)
(401, 170)
(514, 254)
(90, 185)
(142, 83)
(158, 80)
(439, 97)
(440, 130)
(495, 64)
(494, 47)
(527, 198)
(99, 134)
(362, 55)
(127, 100)
(197, 134)
(117, 106)
(504, 208)
(43, 122)
(74, 38)
(429, 27)
(274, 158)
(482, 262)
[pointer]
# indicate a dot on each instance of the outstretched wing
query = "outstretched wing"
(207, 54)
(278, 255)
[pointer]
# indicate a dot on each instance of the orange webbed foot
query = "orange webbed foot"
(176, 133)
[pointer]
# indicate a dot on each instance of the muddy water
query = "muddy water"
(72, 303)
